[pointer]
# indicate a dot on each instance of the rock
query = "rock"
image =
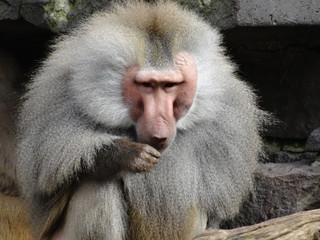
(218, 12)
(288, 157)
(280, 189)
(59, 15)
(316, 163)
(278, 12)
(9, 9)
(293, 148)
(287, 151)
(313, 142)
(34, 12)
(62, 14)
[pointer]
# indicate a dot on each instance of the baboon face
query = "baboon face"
(158, 99)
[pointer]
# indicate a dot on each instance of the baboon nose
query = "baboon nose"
(159, 143)
(158, 140)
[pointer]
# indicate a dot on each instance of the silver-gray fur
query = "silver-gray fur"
(74, 108)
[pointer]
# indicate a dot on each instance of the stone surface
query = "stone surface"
(59, 15)
(288, 157)
(280, 189)
(313, 142)
(288, 151)
(219, 13)
(278, 12)
(9, 9)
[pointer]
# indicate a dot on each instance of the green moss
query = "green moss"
(294, 147)
(274, 145)
(288, 145)
(205, 3)
(56, 14)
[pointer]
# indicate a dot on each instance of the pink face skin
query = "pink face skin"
(158, 99)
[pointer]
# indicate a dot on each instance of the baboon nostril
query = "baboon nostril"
(158, 140)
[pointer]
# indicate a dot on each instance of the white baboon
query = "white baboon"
(136, 127)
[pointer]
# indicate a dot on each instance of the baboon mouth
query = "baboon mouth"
(160, 147)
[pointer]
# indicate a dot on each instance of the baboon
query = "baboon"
(137, 127)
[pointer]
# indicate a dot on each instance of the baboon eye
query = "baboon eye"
(146, 84)
(170, 85)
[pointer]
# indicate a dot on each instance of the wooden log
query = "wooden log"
(299, 226)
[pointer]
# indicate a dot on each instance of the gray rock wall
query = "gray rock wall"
(278, 12)
(59, 15)
(56, 15)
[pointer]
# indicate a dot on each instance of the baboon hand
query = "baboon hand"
(137, 157)
(124, 155)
